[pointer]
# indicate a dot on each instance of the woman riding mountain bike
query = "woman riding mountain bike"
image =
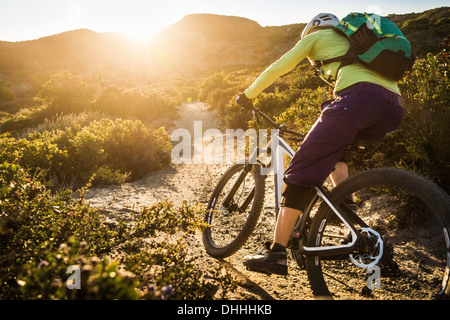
(367, 106)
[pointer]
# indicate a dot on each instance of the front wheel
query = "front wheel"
(410, 215)
(233, 210)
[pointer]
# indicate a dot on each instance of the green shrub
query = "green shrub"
(33, 222)
(416, 24)
(66, 93)
(26, 118)
(6, 95)
(216, 91)
(131, 147)
(49, 279)
(135, 103)
(235, 117)
(39, 155)
(166, 262)
(42, 234)
(161, 217)
(62, 122)
(104, 175)
(220, 91)
(304, 111)
(428, 82)
(114, 150)
(425, 134)
(166, 272)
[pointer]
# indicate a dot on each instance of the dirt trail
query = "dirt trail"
(194, 183)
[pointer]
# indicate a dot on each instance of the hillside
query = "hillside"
(203, 43)
(196, 46)
(77, 50)
(195, 37)
(425, 30)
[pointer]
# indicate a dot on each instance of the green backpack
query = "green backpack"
(376, 42)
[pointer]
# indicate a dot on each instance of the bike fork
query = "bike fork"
(229, 197)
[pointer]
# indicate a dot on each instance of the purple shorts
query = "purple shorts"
(363, 111)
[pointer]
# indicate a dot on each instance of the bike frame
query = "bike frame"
(278, 147)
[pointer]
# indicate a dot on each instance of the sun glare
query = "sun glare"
(140, 34)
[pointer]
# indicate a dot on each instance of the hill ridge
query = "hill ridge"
(196, 46)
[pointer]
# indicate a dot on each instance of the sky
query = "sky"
(30, 19)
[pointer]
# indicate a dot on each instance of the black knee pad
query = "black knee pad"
(296, 197)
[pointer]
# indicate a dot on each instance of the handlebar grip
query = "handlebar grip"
(244, 102)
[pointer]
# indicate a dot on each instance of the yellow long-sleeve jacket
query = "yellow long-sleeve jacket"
(321, 45)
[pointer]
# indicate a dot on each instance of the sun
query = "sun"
(143, 23)
(140, 34)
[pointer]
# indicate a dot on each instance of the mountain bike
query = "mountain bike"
(382, 233)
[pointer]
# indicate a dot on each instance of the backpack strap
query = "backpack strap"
(348, 58)
(319, 63)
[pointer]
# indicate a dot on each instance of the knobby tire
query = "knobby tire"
(237, 235)
(434, 200)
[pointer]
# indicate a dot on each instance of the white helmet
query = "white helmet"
(321, 20)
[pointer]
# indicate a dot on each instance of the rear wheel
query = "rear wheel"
(230, 225)
(410, 214)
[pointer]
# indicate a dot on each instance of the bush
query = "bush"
(6, 95)
(304, 111)
(135, 103)
(114, 150)
(220, 91)
(131, 147)
(66, 93)
(428, 82)
(217, 90)
(26, 118)
(99, 279)
(416, 24)
(43, 222)
(166, 262)
(52, 232)
(425, 135)
(105, 175)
